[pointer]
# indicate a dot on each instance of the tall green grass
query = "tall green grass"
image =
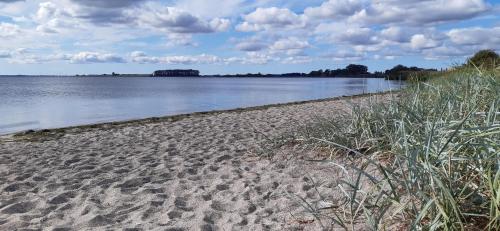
(429, 159)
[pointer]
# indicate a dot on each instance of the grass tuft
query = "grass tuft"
(428, 159)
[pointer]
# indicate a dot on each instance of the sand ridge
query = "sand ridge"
(196, 173)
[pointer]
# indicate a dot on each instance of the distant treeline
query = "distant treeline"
(399, 72)
(352, 70)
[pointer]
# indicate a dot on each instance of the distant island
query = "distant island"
(176, 73)
(399, 72)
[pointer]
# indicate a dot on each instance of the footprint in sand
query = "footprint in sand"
(22, 207)
(62, 198)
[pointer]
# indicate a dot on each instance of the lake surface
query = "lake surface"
(53, 102)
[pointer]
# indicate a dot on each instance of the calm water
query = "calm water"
(51, 102)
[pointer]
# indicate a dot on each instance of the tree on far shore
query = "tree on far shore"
(355, 69)
(350, 70)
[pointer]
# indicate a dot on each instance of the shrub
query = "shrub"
(485, 59)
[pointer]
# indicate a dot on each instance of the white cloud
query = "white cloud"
(5, 54)
(178, 21)
(136, 54)
(15, 8)
(112, 4)
(9, 30)
(344, 55)
(396, 34)
(386, 57)
(419, 12)
(257, 58)
(220, 24)
(85, 57)
(476, 36)
(9, 1)
(334, 9)
(358, 36)
(290, 46)
(250, 58)
(251, 45)
(139, 57)
(93, 57)
(297, 60)
(272, 18)
(272, 46)
(55, 25)
(101, 12)
(47, 11)
(420, 42)
(291, 43)
(55, 18)
(176, 40)
(447, 52)
(210, 9)
(152, 16)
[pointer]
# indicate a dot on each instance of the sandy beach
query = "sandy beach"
(190, 172)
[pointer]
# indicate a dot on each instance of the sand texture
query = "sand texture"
(199, 172)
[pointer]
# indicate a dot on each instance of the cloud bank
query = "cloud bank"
(196, 32)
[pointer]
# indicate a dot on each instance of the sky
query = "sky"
(66, 37)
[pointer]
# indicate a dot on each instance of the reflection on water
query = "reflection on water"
(49, 102)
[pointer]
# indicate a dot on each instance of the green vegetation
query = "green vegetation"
(429, 159)
(349, 70)
(486, 59)
(401, 72)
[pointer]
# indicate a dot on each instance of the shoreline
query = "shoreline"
(172, 118)
(201, 76)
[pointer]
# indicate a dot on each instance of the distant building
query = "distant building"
(176, 73)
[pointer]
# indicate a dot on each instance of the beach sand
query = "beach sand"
(192, 172)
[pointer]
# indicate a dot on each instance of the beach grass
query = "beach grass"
(428, 159)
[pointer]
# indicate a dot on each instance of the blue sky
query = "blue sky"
(240, 36)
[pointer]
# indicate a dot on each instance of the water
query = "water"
(53, 102)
